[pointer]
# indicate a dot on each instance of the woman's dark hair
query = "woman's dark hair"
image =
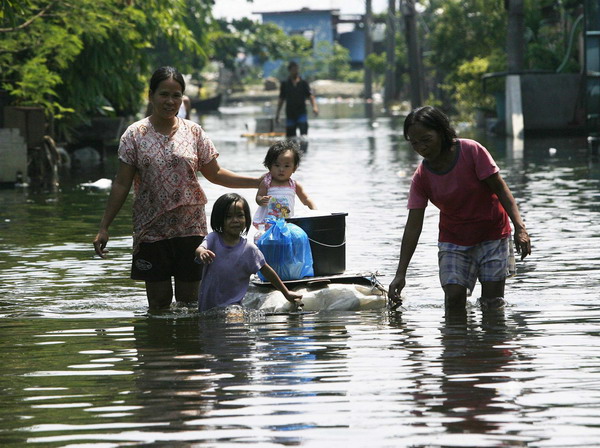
(166, 73)
(292, 64)
(279, 148)
(434, 119)
(222, 206)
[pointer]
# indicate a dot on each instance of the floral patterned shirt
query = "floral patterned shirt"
(168, 199)
(281, 204)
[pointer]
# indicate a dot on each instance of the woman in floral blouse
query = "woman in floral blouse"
(161, 155)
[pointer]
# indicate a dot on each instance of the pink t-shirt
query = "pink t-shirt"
(469, 212)
(168, 199)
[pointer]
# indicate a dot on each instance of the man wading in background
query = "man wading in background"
(294, 91)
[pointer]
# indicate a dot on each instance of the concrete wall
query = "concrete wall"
(553, 102)
(13, 155)
(31, 121)
(592, 68)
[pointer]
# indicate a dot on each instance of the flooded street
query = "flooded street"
(83, 364)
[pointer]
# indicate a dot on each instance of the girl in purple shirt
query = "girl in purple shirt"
(460, 177)
(230, 259)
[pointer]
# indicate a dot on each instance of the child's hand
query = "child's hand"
(295, 298)
(263, 200)
(204, 256)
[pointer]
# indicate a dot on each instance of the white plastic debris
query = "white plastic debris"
(331, 297)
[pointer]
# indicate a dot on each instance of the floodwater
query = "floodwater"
(85, 365)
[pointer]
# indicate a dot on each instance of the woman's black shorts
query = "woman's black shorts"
(161, 260)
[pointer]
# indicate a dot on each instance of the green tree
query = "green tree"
(464, 39)
(464, 33)
(78, 59)
(377, 63)
(325, 61)
(262, 42)
(548, 25)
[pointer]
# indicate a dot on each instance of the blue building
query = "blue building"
(319, 26)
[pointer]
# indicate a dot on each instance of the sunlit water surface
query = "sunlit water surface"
(84, 364)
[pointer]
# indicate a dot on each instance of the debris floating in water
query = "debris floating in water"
(331, 297)
(100, 184)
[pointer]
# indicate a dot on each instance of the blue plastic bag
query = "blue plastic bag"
(287, 250)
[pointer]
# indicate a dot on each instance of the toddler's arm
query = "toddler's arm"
(272, 277)
(304, 197)
(261, 195)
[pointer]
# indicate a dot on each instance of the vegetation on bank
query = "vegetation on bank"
(84, 58)
(461, 40)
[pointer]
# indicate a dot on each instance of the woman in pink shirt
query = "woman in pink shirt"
(161, 155)
(460, 177)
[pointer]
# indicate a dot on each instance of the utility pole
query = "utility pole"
(390, 52)
(515, 39)
(414, 56)
(368, 21)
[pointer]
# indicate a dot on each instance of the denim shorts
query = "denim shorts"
(463, 265)
(291, 124)
(161, 260)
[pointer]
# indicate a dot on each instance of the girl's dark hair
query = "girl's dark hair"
(221, 207)
(431, 118)
(279, 148)
(166, 73)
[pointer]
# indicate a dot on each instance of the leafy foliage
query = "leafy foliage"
(464, 39)
(262, 41)
(327, 61)
(463, 32)
(81, 58)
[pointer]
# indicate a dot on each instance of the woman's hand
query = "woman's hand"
(100, 243)
(395, 289)
(118, 193)
(522, 242)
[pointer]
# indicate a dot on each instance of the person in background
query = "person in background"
(186, 108)
(277, 192)
(230, 259)
(294, 91)
(161, 155)
(460, 177)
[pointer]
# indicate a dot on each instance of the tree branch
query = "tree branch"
(30, 21)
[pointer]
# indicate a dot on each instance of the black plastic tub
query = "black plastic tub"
(327, 236)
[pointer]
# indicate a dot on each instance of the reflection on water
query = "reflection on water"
(85, 365)
(420, 379)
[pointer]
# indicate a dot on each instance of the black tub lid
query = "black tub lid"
(316, 216)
